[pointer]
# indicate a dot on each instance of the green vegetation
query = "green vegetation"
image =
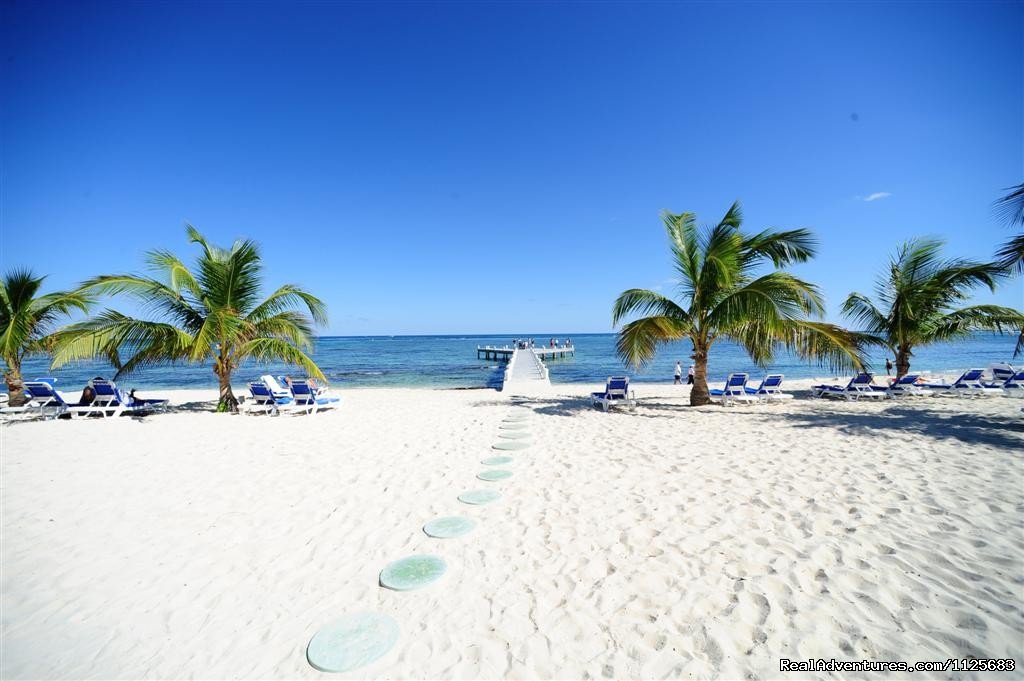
(721, 297)
(915, 302)
(26, 320)
(213, 312)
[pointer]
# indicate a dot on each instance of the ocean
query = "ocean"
(450, 362)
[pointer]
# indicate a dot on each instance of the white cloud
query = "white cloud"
(876, 196)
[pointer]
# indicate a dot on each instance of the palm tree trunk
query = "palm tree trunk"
(699, 393)
(902, 362)
(15, 385)
(228, 401)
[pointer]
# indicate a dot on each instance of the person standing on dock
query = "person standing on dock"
(679, 374)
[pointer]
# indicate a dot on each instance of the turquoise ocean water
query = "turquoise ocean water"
(450, 362)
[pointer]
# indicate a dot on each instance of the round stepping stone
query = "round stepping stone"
(449, 527)
(494, 475)
(497, 461)
(413, 572)
(511, 446)
(352, 641)
(513, 426)
(478, 497)
(514, 435)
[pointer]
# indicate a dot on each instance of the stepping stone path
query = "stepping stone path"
(494, 475)
(449, 527)
(357, 640)
(479, 497)
(414, 572)
(351, 642)
(511, 446)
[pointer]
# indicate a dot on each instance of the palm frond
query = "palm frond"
(682, 234)
(638, 340)
(774, 295)
(287, 297)
(964, 321)
(290, 325)
(644, 302)
(1010, 256)
(277, 349)
(864, 314)
(111, 332)
(780, 247)
(179, 277)
(1010, 208)
(832, 346)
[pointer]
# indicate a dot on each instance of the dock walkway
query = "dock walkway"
(525, 372)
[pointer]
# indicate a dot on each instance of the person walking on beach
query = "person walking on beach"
(888, 366)
(689, 375)
(678, 374)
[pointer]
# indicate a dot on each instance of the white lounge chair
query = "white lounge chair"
(616, 392)
(860, 386)
(907, 386)
(1001, 372)
(265, 401)
(310, 399)
(968, 385)
(1014, 385)
(770, 389)
(43, 401)
(112, 401)
(735, 390)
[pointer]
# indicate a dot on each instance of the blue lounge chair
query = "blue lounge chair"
(860, 386)
(1014, 385)
(616, 392)
(43, 401)
(310, 399)
(278, 385)
(907, 387)
(264, 400)
(968, 385)
(735, 390)
(1000, 374)
(112, 401)
(770, 389)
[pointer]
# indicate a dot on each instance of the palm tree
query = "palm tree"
(722, 298)
(26, 319)
(917, 298)
(212, 313)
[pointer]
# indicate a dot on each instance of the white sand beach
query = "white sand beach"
(669, 542)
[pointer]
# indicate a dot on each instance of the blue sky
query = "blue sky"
(491, 167)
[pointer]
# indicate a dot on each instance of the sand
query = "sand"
(665, 543)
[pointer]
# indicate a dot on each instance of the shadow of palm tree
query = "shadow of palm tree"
(193, 407)
(915, 422)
